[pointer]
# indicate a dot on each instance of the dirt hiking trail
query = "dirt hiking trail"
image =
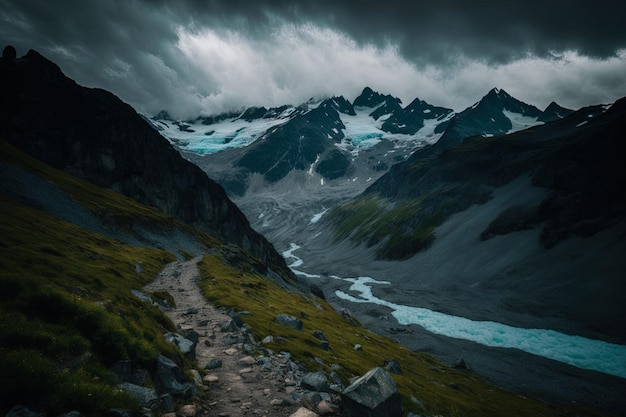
(240, 387)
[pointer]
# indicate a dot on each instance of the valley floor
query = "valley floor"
(523, 373)
(300, 219)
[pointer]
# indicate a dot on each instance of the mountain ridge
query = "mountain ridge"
(376, 117)
(71, 127)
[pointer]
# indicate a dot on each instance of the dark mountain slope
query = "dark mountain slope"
(297, 144)
(577, 161)
(93, 135)
(411, 119)
(486, 117)
(554, 112)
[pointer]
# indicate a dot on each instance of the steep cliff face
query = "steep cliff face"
(93, 135)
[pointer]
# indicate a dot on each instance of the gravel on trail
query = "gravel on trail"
(240, 386)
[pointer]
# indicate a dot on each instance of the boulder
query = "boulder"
(147, 397)
(169, 378)
(460, 363)
(289, 321)
(188, 410)
(315, 381)
(303, 412)
(233, 339)
(246, 361)
(213, 364)
(318, 334)
(229, 326)
(373, 395)
(166, 403)
(186, 346)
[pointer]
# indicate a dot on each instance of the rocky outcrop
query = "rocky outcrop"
(373, 395)
(93, 135)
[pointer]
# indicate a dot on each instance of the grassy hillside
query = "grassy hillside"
(67, 313)
(442, 390)
(66, 308)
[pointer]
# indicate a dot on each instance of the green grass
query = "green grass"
(400, 230)
(67, 313)
(443, 390)
(66, 308)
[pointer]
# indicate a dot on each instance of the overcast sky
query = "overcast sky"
(206, 56)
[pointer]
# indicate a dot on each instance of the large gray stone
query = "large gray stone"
(375, 394)
(229, 326)
(186, 346)
(315, 381)
(169, 378)
(289, 321)
(147, 397)
(213, 364)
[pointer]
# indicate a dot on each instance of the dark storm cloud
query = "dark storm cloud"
(426, 30)
(210, 55)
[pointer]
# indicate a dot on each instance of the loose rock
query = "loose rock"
(210, 379)
(213, 364)
(303, 412)
(247, 361)
(188, 410)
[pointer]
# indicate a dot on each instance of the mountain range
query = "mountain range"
(238, 147)
(498, 210)
(498, 213)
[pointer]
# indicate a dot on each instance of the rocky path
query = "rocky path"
(241, 386)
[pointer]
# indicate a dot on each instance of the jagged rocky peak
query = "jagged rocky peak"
(498, 92)
(340, 104)
(370, 98)
(411, 119)
(426, 110)
(498, 99)
(554, 112)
